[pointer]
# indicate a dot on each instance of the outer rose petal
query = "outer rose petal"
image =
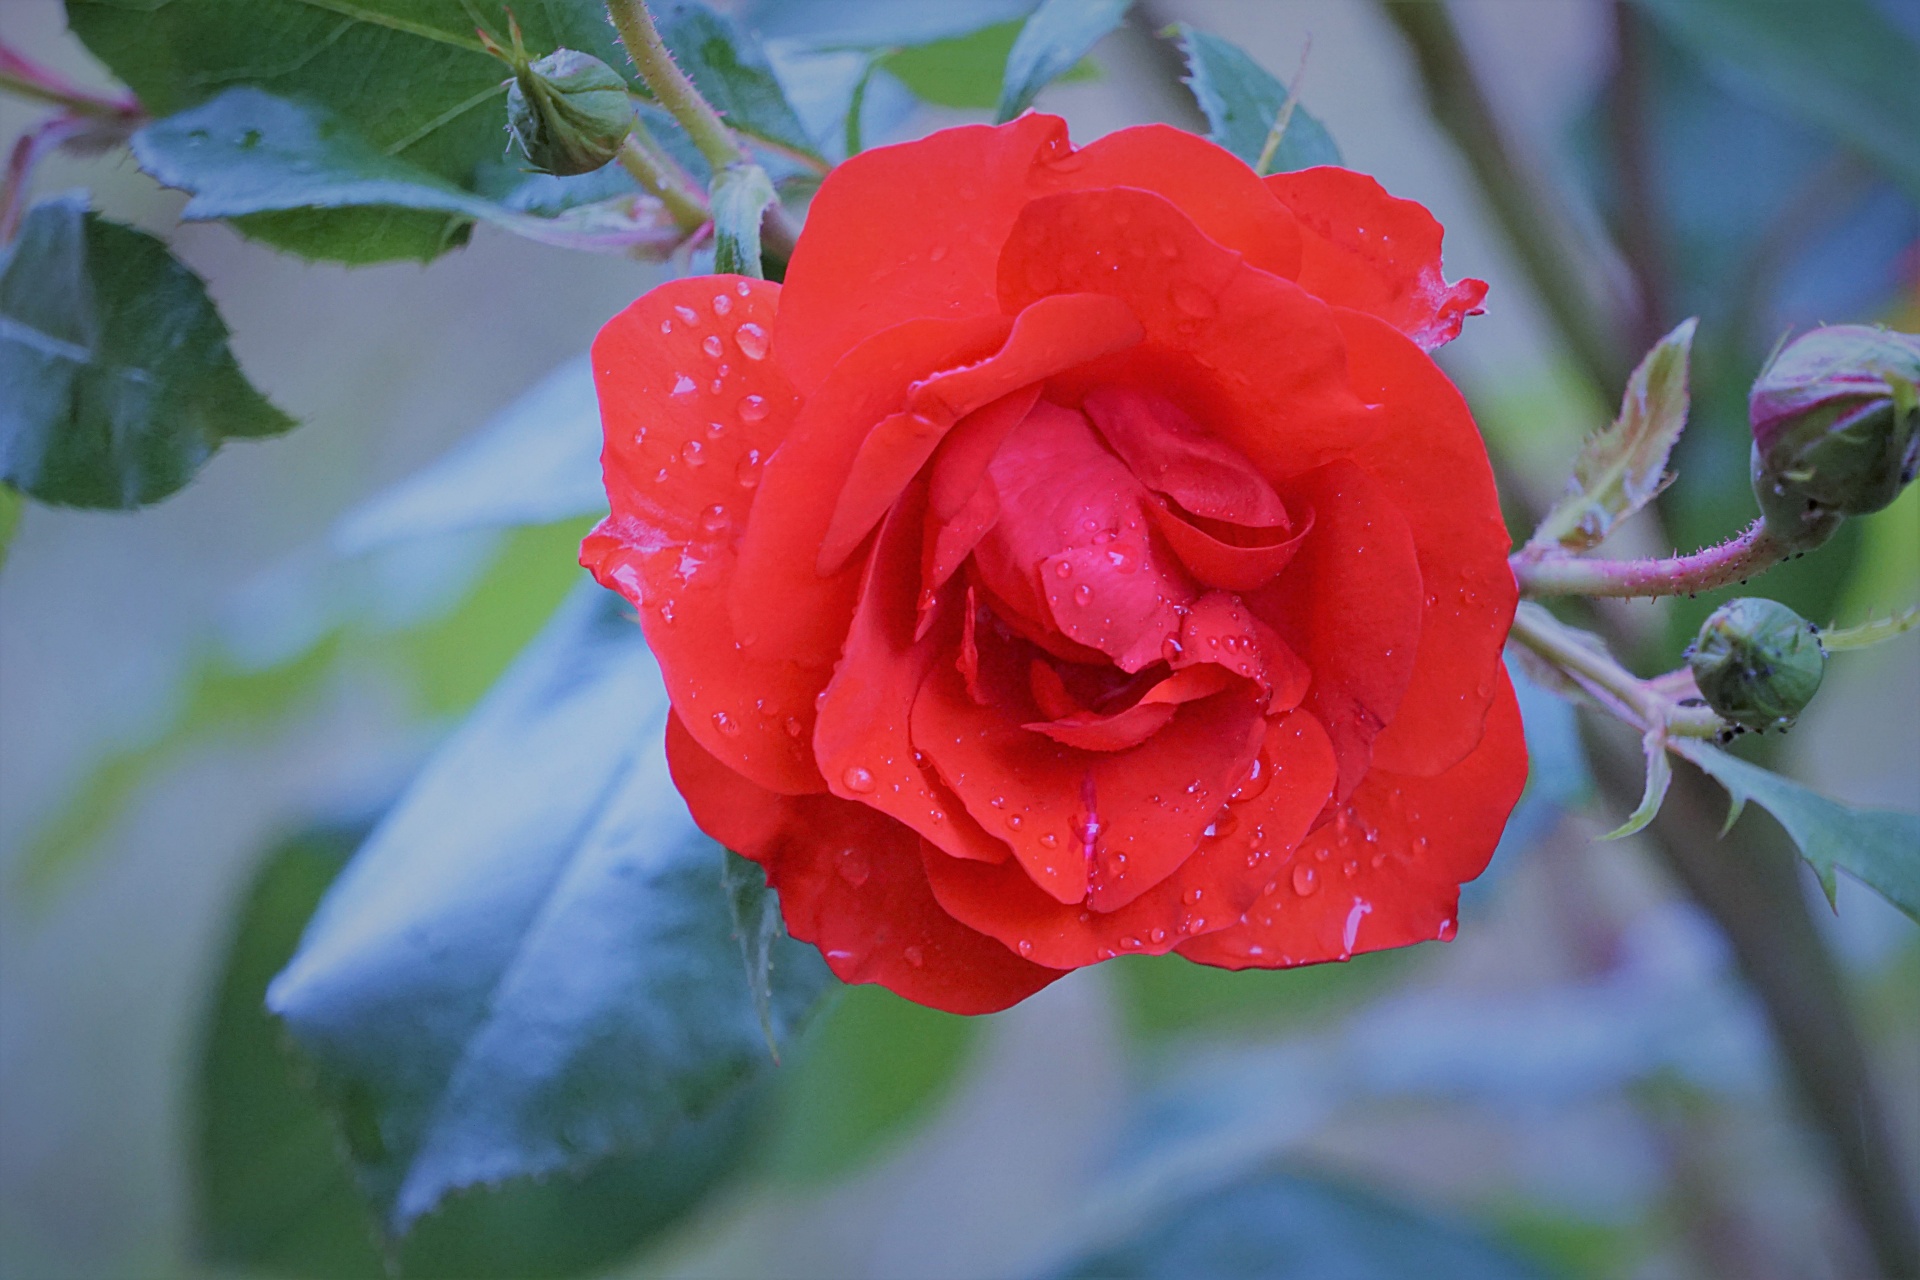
(1434, 464)
(1366, 250)
(851, 882)
(1208, 890)
(1253, 357)
(680, 459)
(914, 230)
(1386, 872)
(1349, 605)
(906, 232)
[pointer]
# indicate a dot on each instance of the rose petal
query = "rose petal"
(1253, 358)
(960, 464)
(1411, 842)
(1349, 605)
(681, 461)
(781, 605)
(852, 883)
(1444, 488)
(906, 232)
(861, 739)
(1364, 249)
(1207, 891)
(1223, 564)
(1220, 629)
(1144, 808)
(1172, 454)
(1051, 336)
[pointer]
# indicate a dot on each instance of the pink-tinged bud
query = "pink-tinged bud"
(1836, 430)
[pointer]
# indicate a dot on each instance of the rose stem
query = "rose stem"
(1539, 631)
(1547, 572)
(640, 156)
(696, 115)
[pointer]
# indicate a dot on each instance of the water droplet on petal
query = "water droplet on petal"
(1159, 935)
(1447, 930)
(752, 341)
(1049, 841)
(726, 724)
(692, 453)
(749, 469)
(682, 385)
(1014, 821)
(687, 314)
(858, 779)
(1083, 594)
(794, 727)
(1305, 880)
(915, 956)
(711, 345)
(1026, 948)
(854, 867)
(752, 409)
(715, 521)
(1062, 569)
(722, 304)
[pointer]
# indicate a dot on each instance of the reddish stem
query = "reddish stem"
(1548, 571)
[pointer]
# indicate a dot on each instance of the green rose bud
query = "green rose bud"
(568, 111)
(1757, 662)
(1836, 430)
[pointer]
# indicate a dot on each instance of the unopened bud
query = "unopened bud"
(1836, 431)
(1757, 663)
(568, 111)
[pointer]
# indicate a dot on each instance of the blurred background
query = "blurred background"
(1582, 1075)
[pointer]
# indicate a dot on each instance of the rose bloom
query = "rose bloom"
(1079, 555)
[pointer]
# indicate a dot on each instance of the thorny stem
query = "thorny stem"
(682, 100)
(670, 84)
(1547, 571)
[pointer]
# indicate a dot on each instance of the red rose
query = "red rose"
(1078, 555)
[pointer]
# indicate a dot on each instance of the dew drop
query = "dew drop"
(752, 409)
(692, 453)
(749, 469)
(1049, 841)
(687, 314)
(1130, 943)
(711, 345)
(726, 724)
(1447, 930)
(1014, 822)
(1158, 935)
(1192, 896)
(1305, 881)
(1083, 594)
(1026, 948)
(1350, 868)
(1062, 570)
(666, 326)
(936, 253)
(794, 727)
(715, 520)
(722, 304)
(858, 779)
(682, 385)
(915, 956)
(743, 288)
(752, 341)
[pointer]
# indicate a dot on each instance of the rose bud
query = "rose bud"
(1079, 555)
(1757, 662)
(568, 111)
(1835, 429)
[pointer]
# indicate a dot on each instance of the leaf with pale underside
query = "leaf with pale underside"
(1623, 468)
(1057, 35)
(739, 198)
(1878, 847)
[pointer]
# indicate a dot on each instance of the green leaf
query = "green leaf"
(248, 153)
(529, 968)
(1053, 40)
(272, 1192)
(1878, 847)
(409, 75)
(870, 1069)
(1659, 780)
(1278, 1224)
(535, 462)
(1243, 103)
(739, 197)
(1623, 468)
(119, 382)
(1871, 632)
(1841, 65)
(731, 71)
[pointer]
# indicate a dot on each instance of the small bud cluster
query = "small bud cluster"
(1836, 429)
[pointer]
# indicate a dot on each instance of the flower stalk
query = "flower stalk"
(1663, 703)
(1544, 571)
